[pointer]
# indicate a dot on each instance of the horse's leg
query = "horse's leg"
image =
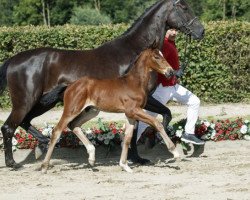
(8, 129)
(139, 114)
(43, 141)
(126, 142)
(57, 131)
(152, 105)
(86, 115)
(156, 106)
(89, 146)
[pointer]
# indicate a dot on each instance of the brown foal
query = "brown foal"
(126, 94)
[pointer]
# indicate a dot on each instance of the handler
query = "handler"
(170, 89)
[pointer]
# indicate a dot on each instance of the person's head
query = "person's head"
(171, 34)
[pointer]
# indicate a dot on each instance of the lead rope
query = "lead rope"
(186, 53)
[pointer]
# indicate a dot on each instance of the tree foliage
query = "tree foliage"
(88, 16)
(59, 12)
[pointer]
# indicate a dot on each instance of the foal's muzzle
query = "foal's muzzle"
(169, 74)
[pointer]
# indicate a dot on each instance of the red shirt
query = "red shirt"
(170, 53)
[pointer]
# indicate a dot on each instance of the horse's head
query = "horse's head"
(182, 18)
(156, 61)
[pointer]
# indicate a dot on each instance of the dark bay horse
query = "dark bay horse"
(130, 91)
(37, 78)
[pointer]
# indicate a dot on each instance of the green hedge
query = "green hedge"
(219, 65)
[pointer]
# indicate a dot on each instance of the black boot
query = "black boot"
(133, 153)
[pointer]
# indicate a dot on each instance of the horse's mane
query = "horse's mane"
(136, 22)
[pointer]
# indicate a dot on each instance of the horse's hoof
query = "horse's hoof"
(175, 153)
(12, 164)
(136, 159)
(91, 162)
(44, 168)
(125, 167)
(44, 171)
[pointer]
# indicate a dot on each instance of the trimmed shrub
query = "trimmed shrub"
(219, 64)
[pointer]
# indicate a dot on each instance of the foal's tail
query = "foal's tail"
(3, 76)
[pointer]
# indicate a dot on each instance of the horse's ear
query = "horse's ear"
(155, 44)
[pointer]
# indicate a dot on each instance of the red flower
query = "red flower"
(18, 135)
(20, 140)
(30, 136)
(114, 131)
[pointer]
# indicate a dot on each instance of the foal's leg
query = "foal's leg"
(126, 142)
(139, 114)
(57, 131)
(89, 146)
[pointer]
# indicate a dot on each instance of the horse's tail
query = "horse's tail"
(3, 76)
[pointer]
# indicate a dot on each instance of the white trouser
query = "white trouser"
(179, 94)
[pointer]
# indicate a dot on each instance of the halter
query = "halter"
(187, 25)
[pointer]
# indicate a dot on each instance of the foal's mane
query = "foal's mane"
(132, 63)
(140, 19)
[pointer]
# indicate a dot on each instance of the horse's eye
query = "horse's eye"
(157, 57)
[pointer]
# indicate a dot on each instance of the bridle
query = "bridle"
(187, 25)
(187, 30)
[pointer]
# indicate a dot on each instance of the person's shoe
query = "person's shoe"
(191, 138)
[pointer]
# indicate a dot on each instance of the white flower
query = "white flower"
(180, 127)
(90, 136)
(93, 142)
(106, 141)
(212, 125)
(110, 136)
(178, 133)
(243, 129)
(213, 134)
(205, 137)
(14, 141)
(207, 124)
(88, 131)
(100, 137)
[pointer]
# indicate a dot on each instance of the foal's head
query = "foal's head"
(156, 61)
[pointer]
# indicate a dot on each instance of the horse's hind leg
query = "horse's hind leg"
(8, 129)
(36, 111)
(89, 146)
(126, 142)
(86, 115)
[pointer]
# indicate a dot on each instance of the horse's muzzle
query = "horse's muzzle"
(169, 74)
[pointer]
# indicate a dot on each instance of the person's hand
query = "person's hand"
(179, 73)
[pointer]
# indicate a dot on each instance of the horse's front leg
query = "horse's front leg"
(126, 142)
(139, 114)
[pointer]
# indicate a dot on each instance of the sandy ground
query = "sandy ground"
(221, 173)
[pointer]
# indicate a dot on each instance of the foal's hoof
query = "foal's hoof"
(125, 167)
(44, 168)
(91, 162)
